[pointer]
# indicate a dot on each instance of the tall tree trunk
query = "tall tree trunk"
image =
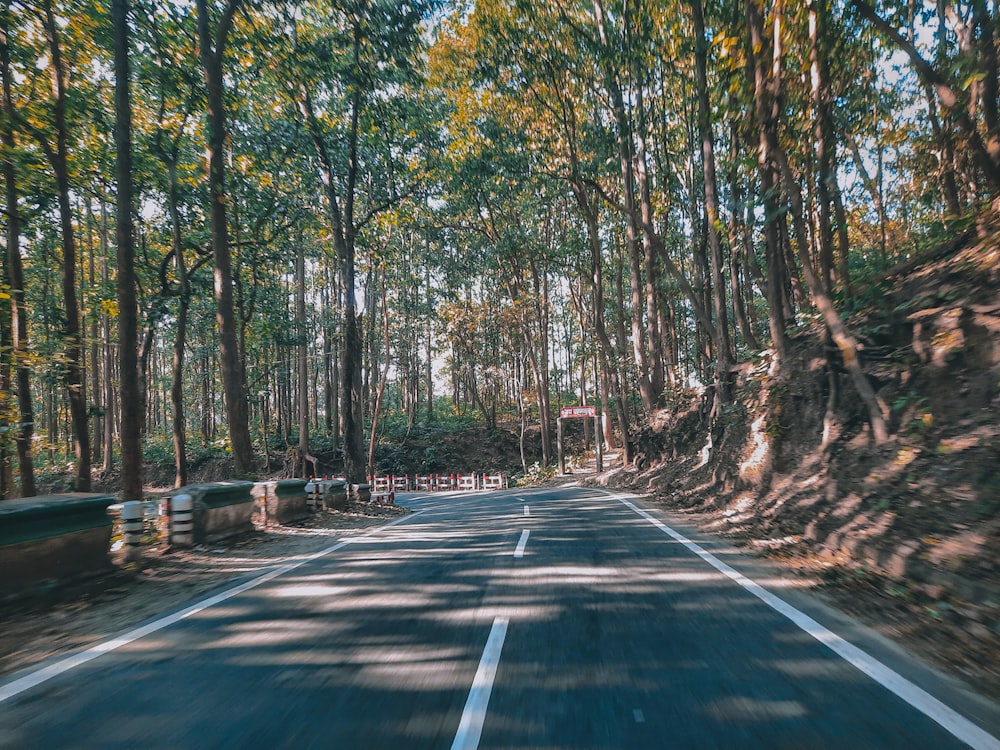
(633, 221)
(93, 329)
(766, 109)
(842, 337)
(739, 245)
(605, 347)
(330, 302)
(341, 217)
(108, 357)
(211, 50)
(178, 426)
(14, 269)
(429, 363)
(823, 144)
(302, 453)
(723, 345)
(380, 392)
(986, 47)
(541, 297)
(650, 267)
(128, 317)
(59, 161)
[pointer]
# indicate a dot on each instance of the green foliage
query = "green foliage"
(395, 428)
(465, 142)
(158, 450)
(913, 406)
(907, 400)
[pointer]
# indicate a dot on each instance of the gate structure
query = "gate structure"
(580, 412)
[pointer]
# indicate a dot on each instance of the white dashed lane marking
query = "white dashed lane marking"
(470, 728)
(522, 543)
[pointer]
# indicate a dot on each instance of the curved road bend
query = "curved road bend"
(562, 618)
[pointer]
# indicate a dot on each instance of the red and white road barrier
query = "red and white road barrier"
(391, 483)
(494, 482)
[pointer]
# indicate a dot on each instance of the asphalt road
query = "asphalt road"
(555, 618)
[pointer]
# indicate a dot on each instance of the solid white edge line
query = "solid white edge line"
(470, 728)
(959, 726)
(522, 543)
(38, 676)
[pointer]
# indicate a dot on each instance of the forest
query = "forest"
(262, 229)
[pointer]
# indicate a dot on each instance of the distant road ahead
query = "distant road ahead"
(563, 618)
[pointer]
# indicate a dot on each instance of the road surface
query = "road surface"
(557, 618)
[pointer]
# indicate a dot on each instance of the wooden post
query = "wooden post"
(599, 443)
(559, 445)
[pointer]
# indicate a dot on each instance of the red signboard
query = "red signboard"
(578, 411)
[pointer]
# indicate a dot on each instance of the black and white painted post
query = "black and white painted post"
(182, 520)
(132, 518)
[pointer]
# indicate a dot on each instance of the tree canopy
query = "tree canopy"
(298, 216)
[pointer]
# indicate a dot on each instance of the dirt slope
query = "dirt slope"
(906, 534)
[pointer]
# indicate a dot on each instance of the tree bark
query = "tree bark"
(842, 337)
(428, 365)
(178, 426)
(341, 219)
(766, 110)
(211, 51)
(112, 408)
(627, 159)
(823, 145)
(871, 186)
(605, 347)
(302, 351)
(380, 392)
(650, 267)
(14, 268)
(128, 318)
(98, 408)
(723, 345)
(58, 158)
(739, 246)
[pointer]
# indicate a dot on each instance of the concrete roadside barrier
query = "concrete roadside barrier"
(54, 537)
(221, 509)
(282, 501)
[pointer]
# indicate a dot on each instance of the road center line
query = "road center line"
(44, 674)
(927, 704)
(522, 543)
(470, 728)
(527, 512)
